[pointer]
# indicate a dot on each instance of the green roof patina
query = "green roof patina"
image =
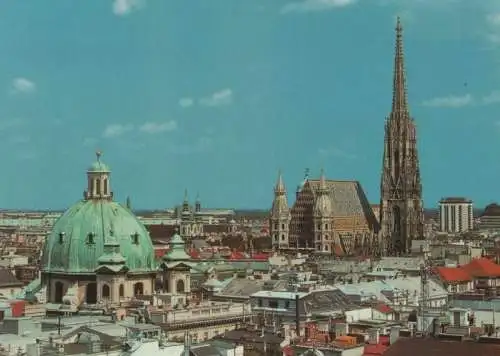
(98, 166)
(69, 249)
(177, 250)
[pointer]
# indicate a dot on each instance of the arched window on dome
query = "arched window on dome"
(98, 186)
(179, 286)
(121, 291)
(135, 238)
(90, 238)
(105, 293)
(105, 183)
(61, 237)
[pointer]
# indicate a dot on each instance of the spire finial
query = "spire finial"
(98, 155)
(280, 185)
(322, 182)
(185, 195)
(399, 94)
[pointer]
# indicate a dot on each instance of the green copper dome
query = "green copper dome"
(96, 232)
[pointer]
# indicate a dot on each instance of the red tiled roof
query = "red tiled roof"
(287, 350)
(436, 347)
(453, 274)
(260, 257)
(159, 252)
(194, 253)
(482, 267)
(337, 250)
(236, 255)
(374, 350)
(384, 308)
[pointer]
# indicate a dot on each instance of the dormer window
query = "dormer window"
(61, 237)
(91, 238)
(135, 238)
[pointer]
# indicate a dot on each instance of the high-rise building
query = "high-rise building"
(455, 214)
(401, 207)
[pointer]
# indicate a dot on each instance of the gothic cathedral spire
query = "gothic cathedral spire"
(401, 208)
(399, 94)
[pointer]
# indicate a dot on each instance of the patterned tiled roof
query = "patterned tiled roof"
(348, 199)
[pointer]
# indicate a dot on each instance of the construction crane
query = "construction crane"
(423, 305)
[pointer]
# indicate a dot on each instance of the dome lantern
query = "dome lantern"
(98, 184)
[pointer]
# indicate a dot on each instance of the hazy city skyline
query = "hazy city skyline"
(216, 97)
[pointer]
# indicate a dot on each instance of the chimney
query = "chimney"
(297, 314)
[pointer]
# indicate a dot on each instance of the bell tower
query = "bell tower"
(98, 183)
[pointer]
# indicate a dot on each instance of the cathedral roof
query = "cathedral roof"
(347, 197)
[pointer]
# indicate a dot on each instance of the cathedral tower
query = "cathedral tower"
(279, 220)
(323, 218)
(401, 208)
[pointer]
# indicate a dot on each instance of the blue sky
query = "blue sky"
(216, 96)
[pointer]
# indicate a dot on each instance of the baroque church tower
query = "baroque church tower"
(279, 220)
(401, 207)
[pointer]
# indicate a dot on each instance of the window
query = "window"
(259, 302)
(90, 238)
(319, 226)
(105, 186)
(61, 237)
(287, 304)
(326, 226)
(98, 186)
(283, 237)
(283, 226)
(273, 304)
(135, 238)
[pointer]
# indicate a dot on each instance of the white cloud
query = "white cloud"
(450, 101)
(336, 152)
(126, 7)
(157, 127)
(22, 86)
(492, 98)
(186, 102)
(219, 98)
(315, 5)
(203, 144)
(115, 130)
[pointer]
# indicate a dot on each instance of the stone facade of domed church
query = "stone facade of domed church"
(98, 251)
